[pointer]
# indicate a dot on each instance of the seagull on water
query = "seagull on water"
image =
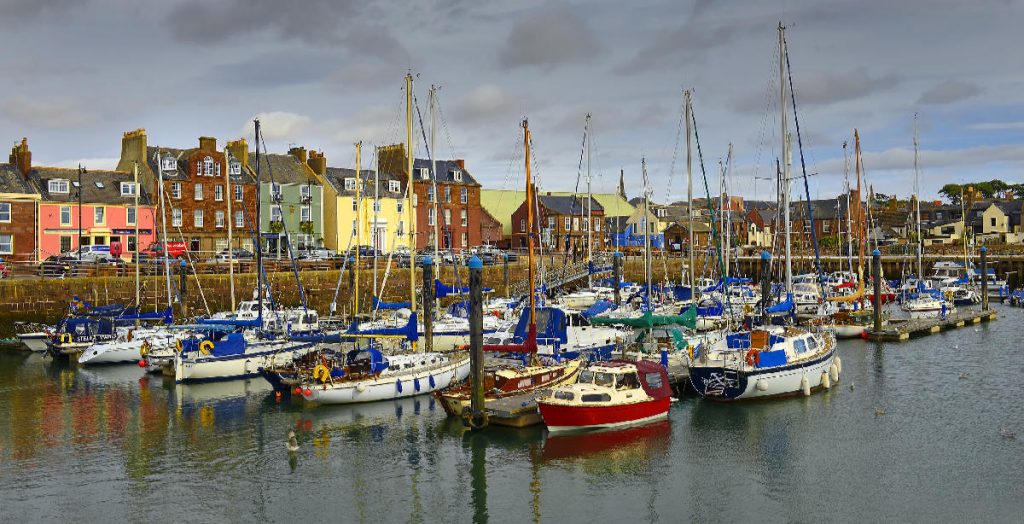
(293, 443)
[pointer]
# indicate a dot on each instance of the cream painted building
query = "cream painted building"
(384, 229)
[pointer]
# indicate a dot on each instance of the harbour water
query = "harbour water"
(926, 430)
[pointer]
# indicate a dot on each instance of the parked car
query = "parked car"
(54, 266)
(315, 254)
(90, 254)
(156, 250)
(4, 271)
(235, 254)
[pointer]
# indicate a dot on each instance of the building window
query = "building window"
(276, 214)
(522, 225)
(65, 244)
(376, 206)
(465, 217)
(430, 194)
(415, 200)
(993, 221)
(176, 217)
(401, 228)
(568, 223)
(551, 222)
(239, 219)
(457, 175)
(447, 217)
(199, 191)
(355, 205)
(197, 218)
(354, 227)
(431, 216)
(176, 190)
(399, 205)
(394, 186)
(6, 244)
(235, 168)
(350, 184)
(169, 163)
(586, 225)
(275, 191)
(127, 189)
(597, 225)
(194, 245)
(131, 216)
(208, 166)
(99, 215)
(5, 212)
(465, 240)
(306, 193)
(58, 186)
(825, 226)
(464, 195)
(447, 194)
(238, 193)
(305, 214)
(219, 218)
(425, 173)
(65, 215)
(218, 193)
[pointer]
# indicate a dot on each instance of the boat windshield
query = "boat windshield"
(586, 377)
(604, 379)
(627, 381)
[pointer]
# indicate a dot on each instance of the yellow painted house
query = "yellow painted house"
(383, 229)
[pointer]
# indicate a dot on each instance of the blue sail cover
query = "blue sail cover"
(442, 290)
(229, 322)
(710, 308)
(680, 292)
(409, 330)
(599, 307)
(782, 307)
(550, 326)
(379, 304)
(459, 309)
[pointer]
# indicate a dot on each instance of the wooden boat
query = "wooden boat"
(609, 394)
(510, 381)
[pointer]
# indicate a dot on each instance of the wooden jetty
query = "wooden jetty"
(899, 330)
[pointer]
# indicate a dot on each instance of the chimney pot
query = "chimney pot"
(461, 162)
(207, 143)
(21, 156)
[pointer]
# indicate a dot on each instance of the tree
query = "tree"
(952, 192)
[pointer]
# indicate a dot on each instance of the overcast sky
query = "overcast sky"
(325, 74)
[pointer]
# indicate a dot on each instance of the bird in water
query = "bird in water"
(1007, 434)
(964, 375)
(851, 386)
(293, 443)
(879, 412)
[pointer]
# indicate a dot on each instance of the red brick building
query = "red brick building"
(560, 224)
(195, 189)
(19, 207)
(447, 203)
(491, 230)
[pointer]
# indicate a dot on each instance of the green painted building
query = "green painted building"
(291, 201)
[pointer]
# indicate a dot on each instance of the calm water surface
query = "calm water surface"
(111, 444)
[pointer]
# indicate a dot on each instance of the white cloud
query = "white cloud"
(279, 125)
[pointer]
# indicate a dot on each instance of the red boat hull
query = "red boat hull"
(558, 417)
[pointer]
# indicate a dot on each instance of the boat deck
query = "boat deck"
(899, 330)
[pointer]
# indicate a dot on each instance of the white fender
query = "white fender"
(833, 373)
(805, 386)
(762, 384)
(825, 382)
(839, 364)
(360, 387)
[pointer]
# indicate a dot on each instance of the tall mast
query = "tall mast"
(135, 183)
(529, 226)
(259, 232)
(409, 211)
(786, 159)
(590, 205)
(647, 231)
(849, 210)
(433, 172)
(231, 245)
(689, 190)
(163, 220)
(917, 204)
(359, 227)
(376, 208)
(860, 211)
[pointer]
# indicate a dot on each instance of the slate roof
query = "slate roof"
(92, 193)
(12, 181)
(181, 172)
(336, 176)
(445, 170)
(286, 169)
(827, 209)
(568, 205)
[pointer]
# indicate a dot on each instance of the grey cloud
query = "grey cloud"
(682, 43)
(53, 114)
(996, 126)
(487, 103)
(269, 71)
(363, 76)
(948, 92)
(820, 88)
(547, 36)
(17, 12)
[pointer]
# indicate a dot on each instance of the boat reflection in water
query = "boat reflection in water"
(618, 449)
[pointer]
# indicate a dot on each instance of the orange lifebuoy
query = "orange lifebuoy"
(753, 357)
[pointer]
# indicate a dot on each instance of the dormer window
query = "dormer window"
(394, 186)
(208, 166)
(99, 185)
(424, 173)
(127, 189)
(457, 175)
(58, 186)
(350, 184)
(168, 163)
(235, 168)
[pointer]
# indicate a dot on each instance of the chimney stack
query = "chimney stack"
(207, 143)
(317, 162)
(461, 163)
(299, 153)
(22, 157)
(239, 150)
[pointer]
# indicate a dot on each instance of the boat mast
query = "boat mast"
(359, 227)
(590, 205)
(259, 232)
(786, 159)
(917, 204)
(433, 172)
(849, 210)
(689, 192)
(861, 222)
(647, 231)
(163, 220)
(231, 246)
(135, 183)
(409, 210)
(529, 227)
(376, 208)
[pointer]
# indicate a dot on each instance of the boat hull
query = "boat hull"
(194, 368)
(418, 382)
(559, 418)
(721, 383)
(34, 341)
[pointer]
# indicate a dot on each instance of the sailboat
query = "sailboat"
(769, 361)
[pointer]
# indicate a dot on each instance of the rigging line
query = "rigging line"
(803, 168)
(287, 237)
(675, 153)
(711, 211)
